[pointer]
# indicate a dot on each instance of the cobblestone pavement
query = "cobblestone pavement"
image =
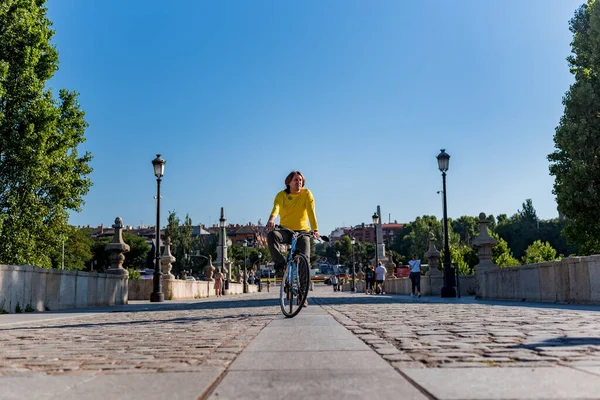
(166, 337)
(427, 332)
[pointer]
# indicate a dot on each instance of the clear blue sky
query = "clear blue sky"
(360, 96)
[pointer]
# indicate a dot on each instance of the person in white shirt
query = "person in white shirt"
(415, 276)
(380, 272)
(334, 282)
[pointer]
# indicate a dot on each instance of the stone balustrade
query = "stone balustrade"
(30, 288)
(430, 285)
(570, 280)
(176, 289)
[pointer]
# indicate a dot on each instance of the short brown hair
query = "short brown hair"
(291, 176)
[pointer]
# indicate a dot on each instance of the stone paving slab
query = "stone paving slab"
(311, 356)
(558, 383)
(591, 370)
(175, 386)
(308, 360)
(315, 384)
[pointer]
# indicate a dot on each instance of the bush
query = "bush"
(134, 274)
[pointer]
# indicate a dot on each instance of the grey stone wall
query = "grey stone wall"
(50, 289)
(570, 280)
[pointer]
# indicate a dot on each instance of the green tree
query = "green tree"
(100, 255)
(138, 251)
(521, 229)
(466, 227)
(42, 175)
(465, 256)
(539, 252)
(575, 163)
(501, 254)
(413, 238)
(78, 250)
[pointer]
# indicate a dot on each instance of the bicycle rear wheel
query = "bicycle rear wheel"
(294, 286)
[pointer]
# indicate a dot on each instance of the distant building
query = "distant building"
(366, 233)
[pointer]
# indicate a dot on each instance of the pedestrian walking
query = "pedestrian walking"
(334, 282)
(219, 283)
(369, 279)
(415, 276)
(380, 272)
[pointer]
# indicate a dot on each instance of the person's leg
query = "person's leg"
(412, 283)
(275, 239)
(303, 247)
(418, 279)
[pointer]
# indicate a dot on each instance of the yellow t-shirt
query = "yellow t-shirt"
(295, 210)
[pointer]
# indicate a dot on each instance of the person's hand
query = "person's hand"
(316, 234)
(270, 225)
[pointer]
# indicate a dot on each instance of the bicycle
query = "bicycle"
(296, 277)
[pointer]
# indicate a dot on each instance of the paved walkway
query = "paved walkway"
(345, 345)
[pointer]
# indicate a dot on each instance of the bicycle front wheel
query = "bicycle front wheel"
(294, 286)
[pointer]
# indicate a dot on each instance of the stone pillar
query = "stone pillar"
(360, 274)
(433, 257)
(209, 270)
(166, 259)
(390, 267)
(380, 245)
(116, 250)
(484, 243)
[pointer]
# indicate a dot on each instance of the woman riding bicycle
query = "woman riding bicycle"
(296, 207)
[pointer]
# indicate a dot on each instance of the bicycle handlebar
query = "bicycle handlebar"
(311, 233)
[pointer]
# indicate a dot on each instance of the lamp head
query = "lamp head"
(222, 219)
(375, 218)
(159, 166)
(443, 160)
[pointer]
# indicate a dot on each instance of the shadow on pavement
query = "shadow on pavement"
(562, 341)
(180, 320)
(345, 298)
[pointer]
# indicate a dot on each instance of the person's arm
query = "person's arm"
(277, 203)
(312, 218)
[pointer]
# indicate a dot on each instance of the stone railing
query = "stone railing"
(29, 288)
(176, 289)
(570, 280)
(430, 285)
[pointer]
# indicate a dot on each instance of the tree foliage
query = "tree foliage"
(501, 254)
(575, 163)
(78, 250)
(138, 251)
(42, 175)
(539, 252)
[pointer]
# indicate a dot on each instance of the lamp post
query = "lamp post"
(375, 222)
(353, 289)
(448, 290)
(258, 271)
(337, 254)
(223, 241)
(157, 295)
(245, 244)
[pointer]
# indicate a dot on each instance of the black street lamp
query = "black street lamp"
(223, 243)
(258, 271)
(375, 222)
(157, 295)
(449, 289)
(245, 244)
(353, 289)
